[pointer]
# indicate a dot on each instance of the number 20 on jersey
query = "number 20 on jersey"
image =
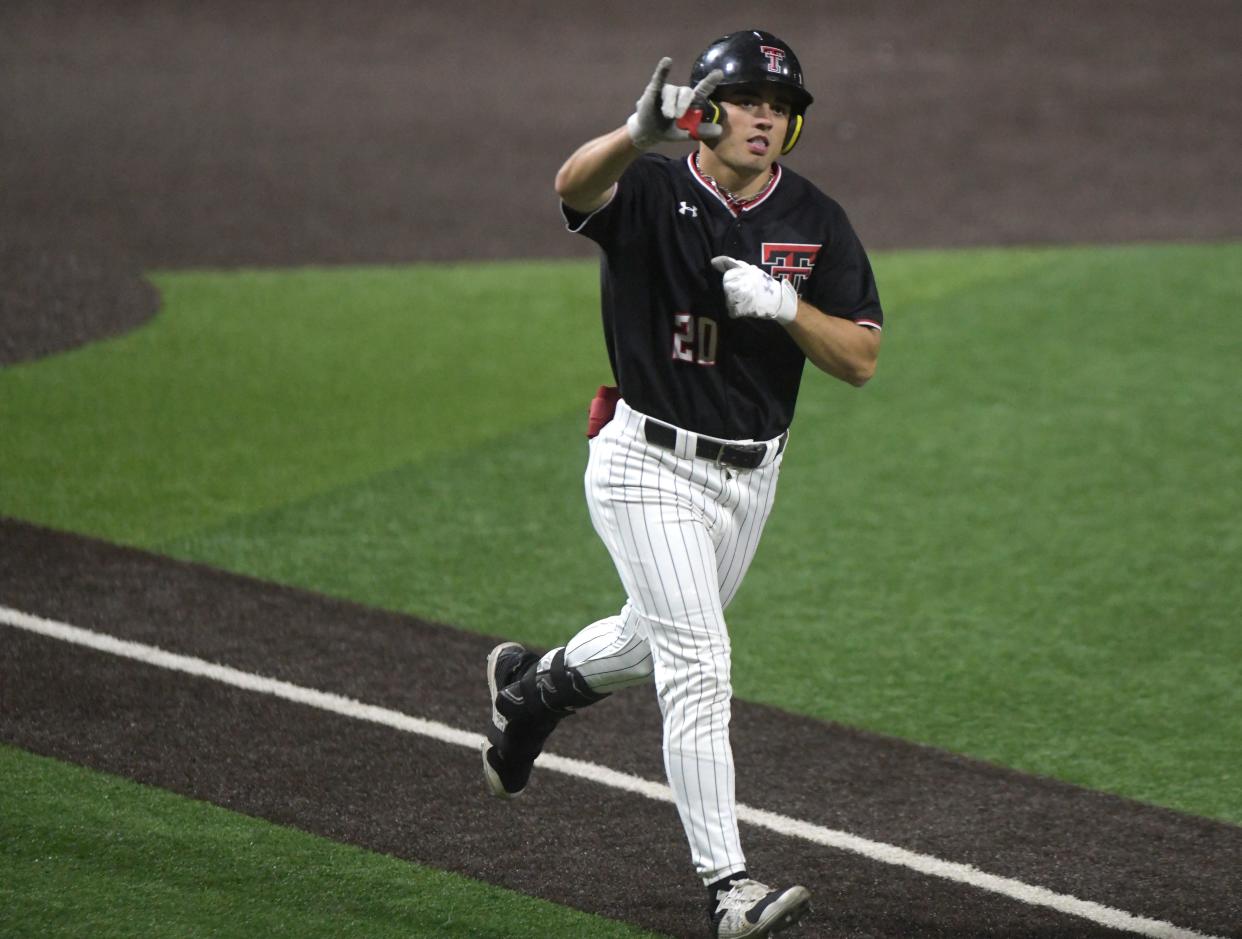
(694, 338)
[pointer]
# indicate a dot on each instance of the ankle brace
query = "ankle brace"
(546, 693)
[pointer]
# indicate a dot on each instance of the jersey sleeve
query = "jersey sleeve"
(623, 215)
(842, 283)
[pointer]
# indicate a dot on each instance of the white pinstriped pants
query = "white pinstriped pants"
(682, 532)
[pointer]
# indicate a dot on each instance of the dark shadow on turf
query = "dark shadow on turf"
(55, 298)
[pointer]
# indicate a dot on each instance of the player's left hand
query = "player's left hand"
(751, 291)
(661, 114)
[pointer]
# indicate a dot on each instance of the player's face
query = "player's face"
(755, 121)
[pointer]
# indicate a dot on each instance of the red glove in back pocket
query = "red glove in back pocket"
(603, 407)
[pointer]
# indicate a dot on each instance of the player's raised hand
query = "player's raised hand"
(751, 291)
(669, 113)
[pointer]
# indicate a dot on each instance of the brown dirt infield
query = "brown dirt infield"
(140, 136)
(417, 799)
(55, 297)
(182, 134)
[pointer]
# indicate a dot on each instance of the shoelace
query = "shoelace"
(742, 895)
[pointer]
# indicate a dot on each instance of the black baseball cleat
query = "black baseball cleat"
(749, 909)
(530, 696)
(505, 782)
(512, 745)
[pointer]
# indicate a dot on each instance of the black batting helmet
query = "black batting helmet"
(752, 57)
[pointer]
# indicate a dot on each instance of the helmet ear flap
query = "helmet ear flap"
(792, 135)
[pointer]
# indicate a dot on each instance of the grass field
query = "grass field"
(1019, 542)
(89, 854)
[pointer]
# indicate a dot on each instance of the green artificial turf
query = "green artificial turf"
(85, 854)
(254, 388)
(1019, 541)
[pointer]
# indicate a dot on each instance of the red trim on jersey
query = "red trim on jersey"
(737, 208)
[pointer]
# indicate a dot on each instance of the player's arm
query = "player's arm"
(840, 347)
(585, 181)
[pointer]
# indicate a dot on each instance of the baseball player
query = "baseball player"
(723, 272)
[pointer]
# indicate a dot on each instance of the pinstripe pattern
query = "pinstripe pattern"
(682, 533)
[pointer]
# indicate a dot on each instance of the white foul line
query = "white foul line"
(781, 824)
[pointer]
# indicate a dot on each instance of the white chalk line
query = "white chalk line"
(581, 769)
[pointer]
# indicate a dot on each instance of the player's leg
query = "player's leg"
(674, 590)
(739, 524)
(647, 508)
(611, 653)
(738, 905)
(530, 695)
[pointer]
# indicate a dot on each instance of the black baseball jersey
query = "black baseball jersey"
(676, 354)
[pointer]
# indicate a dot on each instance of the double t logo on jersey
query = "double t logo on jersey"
(791, 262)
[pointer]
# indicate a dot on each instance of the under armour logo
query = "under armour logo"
(688, 209)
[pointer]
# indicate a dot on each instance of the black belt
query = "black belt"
(740, 455)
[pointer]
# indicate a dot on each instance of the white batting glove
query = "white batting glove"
(750, 291)
(656, 113)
